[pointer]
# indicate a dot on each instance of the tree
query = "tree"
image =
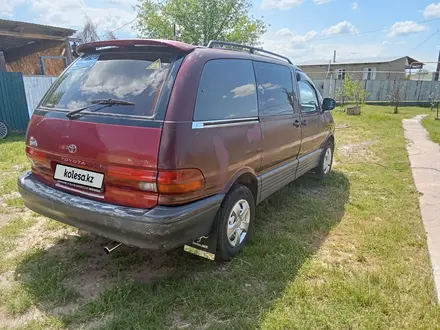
(199, 21)
(434, 97)
(342, 93)
(89, 33)
(354, 90)
(396, 95)
(110, 35)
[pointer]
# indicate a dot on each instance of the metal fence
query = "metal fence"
(36, 87)
(340, 74)
(13, 107)
(413, 90)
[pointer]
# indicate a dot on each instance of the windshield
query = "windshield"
(129, 76)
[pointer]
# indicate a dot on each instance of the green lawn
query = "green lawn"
(432, 126)
(346, 253)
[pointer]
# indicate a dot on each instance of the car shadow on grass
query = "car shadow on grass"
(75, 281)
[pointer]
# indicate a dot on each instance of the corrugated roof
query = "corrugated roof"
(27, 27)
(357, 61)
(17, 34)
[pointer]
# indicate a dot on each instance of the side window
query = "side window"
(226, 91)
(275, 88)
(308, 99)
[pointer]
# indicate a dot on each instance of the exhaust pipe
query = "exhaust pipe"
(111, 247)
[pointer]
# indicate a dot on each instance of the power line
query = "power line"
(425, 40)
(373, 31)
(122, 26)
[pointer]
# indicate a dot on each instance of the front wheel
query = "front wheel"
(325, 164)
(4, 131)
(235, 220)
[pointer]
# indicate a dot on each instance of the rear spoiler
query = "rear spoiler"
(176, 45)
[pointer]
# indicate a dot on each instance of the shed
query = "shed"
(34, 49)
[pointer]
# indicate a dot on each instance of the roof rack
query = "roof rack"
(252, 50)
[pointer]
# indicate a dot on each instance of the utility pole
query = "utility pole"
(437, 71)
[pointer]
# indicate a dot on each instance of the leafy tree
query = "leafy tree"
(341, 92)
(354, 90)
(199, 21)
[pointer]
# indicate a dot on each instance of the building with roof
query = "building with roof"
(380, 68)
(34, 49)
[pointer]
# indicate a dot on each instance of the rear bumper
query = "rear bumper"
(159, 228)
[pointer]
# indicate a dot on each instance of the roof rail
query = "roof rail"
(252, 50)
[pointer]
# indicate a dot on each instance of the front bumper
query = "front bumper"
(159, 228)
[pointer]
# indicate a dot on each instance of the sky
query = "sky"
(303, 30)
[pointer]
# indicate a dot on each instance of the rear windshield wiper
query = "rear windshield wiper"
(105, 102)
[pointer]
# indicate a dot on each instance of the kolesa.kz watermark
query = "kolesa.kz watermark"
(71, 174)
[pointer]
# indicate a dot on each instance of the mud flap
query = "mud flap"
(204, 246)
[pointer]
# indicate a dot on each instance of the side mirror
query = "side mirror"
(328, 104)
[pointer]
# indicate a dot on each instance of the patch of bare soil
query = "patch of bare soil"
(342, 126)
(38, 237)
(10, 322)
(358, 151)
(5, 218)
(90, 275)
(4, 198)
(153, 266)
(94, 271)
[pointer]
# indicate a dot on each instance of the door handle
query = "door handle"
(304, 122)
(297, 123)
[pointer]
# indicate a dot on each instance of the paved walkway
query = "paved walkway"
(424, 156)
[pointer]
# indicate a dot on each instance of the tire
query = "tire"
(229, 243)
(4, 130)
(325, 164)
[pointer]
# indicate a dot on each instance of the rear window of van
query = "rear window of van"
(129, 76)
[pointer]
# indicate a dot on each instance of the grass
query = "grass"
(15, 228)
(12, 152)
(349, 252)
(13, 161)
(432, 126)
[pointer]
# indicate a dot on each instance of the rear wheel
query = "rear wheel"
(4, 131)
(326, 161)
(235, 220)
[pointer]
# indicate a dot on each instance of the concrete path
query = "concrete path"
(424, 156)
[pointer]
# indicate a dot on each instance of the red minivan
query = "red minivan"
(157, 143)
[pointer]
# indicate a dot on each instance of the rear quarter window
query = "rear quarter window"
(275, 89)
(227, 90)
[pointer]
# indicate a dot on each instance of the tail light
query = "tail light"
(36, 155)
(40, 163)
(39, 160)
(141, 188)
(134, 178)
(130, 186)
(180, 181)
